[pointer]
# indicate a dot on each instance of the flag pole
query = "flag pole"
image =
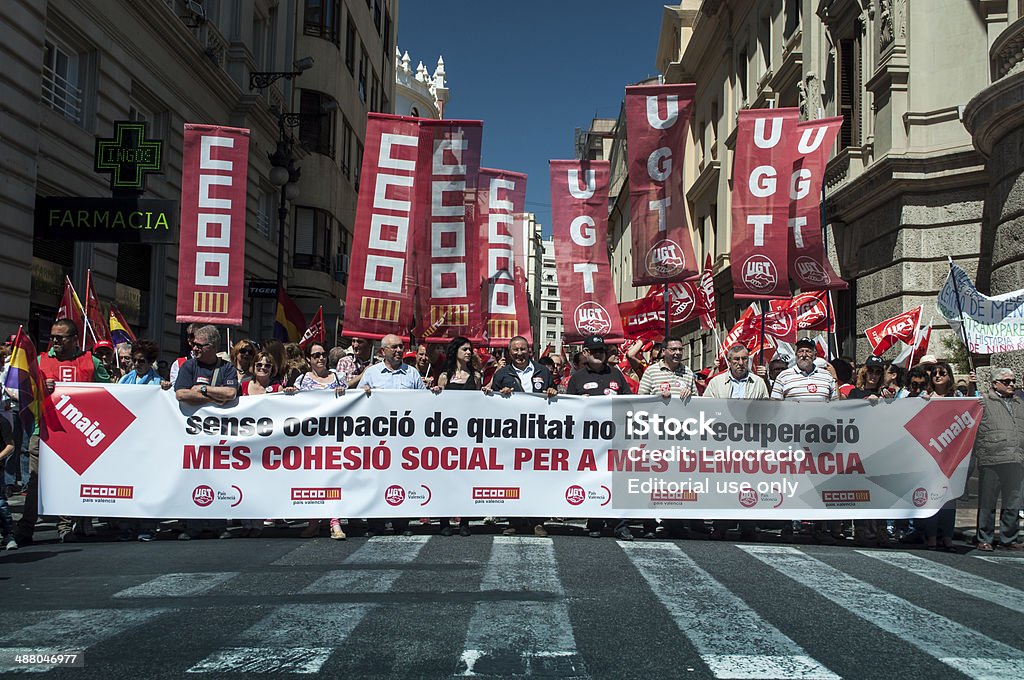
(761, 359)
(960, 310)
(664, 294)
(824, 241)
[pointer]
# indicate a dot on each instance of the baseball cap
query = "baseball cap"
(806, 342)
(929, 359)
(874, 362)
(409, 355)
(103, 344)
(594, 342)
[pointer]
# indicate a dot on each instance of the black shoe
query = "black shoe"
(623, 534)
(23, 539)
(464, 531)
(446, 531)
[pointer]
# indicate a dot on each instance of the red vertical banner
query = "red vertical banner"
(211, 254)
(706, 291)
(501, 204)
(96, 322)
(379, 299)
(809, 267)
(447, 255)
(657, 118)
(579, 217)
(760, 202)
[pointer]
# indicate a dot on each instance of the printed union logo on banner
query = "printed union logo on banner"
(496, 493)
(811, 271)
(748, 498)
(88, 420)
(844, 497)
(106, 491)
(665, 258)
(759, 273)
(946, 429)
(575, 495)
(316, 493)
(202, 495)
(592, 319)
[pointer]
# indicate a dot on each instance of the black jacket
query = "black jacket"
(506, 376)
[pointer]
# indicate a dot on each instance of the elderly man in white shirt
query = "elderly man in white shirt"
(739, 382)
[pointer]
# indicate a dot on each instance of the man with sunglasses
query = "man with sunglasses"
(64, 362)
(1000, 455)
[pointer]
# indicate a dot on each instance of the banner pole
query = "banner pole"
(664, 294)
(960, 310)
(761, 359)
(824, 241)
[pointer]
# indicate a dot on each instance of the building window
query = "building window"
(849, 82)
(264, 209)
(347, 148)
(62, 77)
(364, 61)
(316, 123)
(376, 16)
(322, 19)
(359, 161)
(374, 93)
(350, 45)
(387, 36)
(312, 245)
(741, 76)
(552, 306)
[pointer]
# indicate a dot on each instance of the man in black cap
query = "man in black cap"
(595, 378)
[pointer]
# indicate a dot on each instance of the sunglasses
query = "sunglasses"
(919, 385)
(200, 345)
(263, 365)
(317, 355)
(61, 338)
(940, 373)
(1006, 381)
(246, 351)
(140, 360)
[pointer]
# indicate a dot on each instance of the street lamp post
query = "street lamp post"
(284, 174)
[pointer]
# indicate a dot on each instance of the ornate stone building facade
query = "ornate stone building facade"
(906, 186)
(73, 67)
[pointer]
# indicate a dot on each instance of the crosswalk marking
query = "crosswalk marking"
(768, 652)
(179, 585)
(397, 550)
(521, 637)
(267, 647)
(70, 630)
(951, 643)
(969, 584)
(1002, 559)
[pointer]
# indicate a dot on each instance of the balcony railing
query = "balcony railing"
(61, 95)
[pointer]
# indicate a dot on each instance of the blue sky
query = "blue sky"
(533, 71)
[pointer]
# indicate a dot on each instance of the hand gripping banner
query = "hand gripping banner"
(134, 451)
(760, 202)
(447, 256)
(501, 201)
(211, 254)
(381, 281)
(579, 216)
(657, 119)
(809, 267)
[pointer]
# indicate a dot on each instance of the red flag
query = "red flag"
(901, 327)
(95, 319)
(760, 202)
(913, 352)
(644, 318)
(657, 118)
(706, 296)
(808, 263)
(579, 216)
(211, 256)
(821, 347)
(780, 320)
(814, 312)
(501, 207)
(743, 332)
(447, 243)
(71, 307)
(316, 331)
(381, 284)
(547, 351)
(289, 322)
(25, 381)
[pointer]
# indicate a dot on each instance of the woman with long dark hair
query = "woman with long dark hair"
(459, 373)
(941, 524)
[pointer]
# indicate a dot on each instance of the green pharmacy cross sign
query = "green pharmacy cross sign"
(128, 156)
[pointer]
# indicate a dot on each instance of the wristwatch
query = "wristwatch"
(202, 390)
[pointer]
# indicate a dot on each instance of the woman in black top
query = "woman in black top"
(458, 374)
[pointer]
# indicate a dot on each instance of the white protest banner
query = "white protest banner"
(131, 451)
(992, 324)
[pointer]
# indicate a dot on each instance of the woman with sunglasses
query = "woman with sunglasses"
(320, 377)
(242, 355)
(266, 378)
(940, 525)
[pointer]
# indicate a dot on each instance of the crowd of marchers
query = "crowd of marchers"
(212, 376)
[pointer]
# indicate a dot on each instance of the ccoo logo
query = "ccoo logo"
(665, 258)
(592, 319)
(759, 273)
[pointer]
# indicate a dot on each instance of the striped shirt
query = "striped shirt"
(658, 374)
(818, 385)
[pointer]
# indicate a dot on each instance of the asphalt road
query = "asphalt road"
(429, 606)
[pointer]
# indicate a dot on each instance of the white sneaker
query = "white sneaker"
(10, 544)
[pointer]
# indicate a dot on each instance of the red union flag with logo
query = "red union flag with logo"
(780, 320)
(501, 201)
(760, 202)
(579, 216)
(447, 254)
(657, 118)
(706, 295)
(814, 311)
(901, 327)
(211, 254)
(809, 267)
(381, 281)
